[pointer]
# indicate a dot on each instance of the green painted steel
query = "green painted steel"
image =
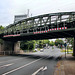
(41, 22)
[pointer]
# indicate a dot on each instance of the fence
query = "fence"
(14, 52)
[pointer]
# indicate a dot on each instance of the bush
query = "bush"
(27, 45)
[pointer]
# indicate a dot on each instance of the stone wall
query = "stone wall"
(1, 47)
(17, 47)
(10, 46)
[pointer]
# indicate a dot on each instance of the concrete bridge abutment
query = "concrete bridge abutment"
(10, 46)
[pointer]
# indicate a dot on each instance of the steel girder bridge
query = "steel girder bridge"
(47, 26)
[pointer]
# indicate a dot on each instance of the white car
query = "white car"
(41, 50)
(36, 50)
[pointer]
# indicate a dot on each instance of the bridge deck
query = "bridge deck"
(51, 25)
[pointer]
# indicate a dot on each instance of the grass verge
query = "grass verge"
(66, 50)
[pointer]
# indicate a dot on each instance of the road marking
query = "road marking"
(21, 67)
(37, 71)
(41, 69)
(6, 65)
(11, 60)
(45, 68)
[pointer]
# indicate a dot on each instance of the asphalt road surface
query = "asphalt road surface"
(38, 63)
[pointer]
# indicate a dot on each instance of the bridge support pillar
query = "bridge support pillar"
(74, 48)
(9, 46)
(1, 47)
(17, 47)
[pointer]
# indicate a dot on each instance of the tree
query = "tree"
(1, 28)
(70, 41)
(40, 44)
(59, 42)
(52, 43)
(46, 41)
(27, 45)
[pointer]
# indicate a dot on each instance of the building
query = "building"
(19, 17)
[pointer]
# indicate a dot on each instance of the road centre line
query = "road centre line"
(21, 67)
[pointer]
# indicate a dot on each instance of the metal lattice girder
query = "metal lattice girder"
(41, 22)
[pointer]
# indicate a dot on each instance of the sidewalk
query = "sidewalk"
(65, 66)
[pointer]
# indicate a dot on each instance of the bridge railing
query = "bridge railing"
(42, 22)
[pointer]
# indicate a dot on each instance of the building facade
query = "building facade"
(19, 17)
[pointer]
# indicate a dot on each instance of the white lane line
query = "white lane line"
(41, 69)
(45, 68)
(11, 60)
(37, 71)
(21, 67)
(6, 65)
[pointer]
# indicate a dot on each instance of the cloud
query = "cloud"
(9, 8)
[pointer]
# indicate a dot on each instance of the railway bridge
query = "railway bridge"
(47, 26)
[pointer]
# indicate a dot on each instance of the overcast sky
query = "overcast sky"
(9, 8)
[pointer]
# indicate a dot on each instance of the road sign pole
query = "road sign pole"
(65, 49)
(65, 52)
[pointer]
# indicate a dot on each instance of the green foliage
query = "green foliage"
(27, 45)
(70, 41)
(66, 50)
(57, 42)
(52, 43)
(46, 41)
(37, 41)
(30, 45)
(1, 27)
(40, 44)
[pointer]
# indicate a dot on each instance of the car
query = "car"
(41, 50)
(36, 50)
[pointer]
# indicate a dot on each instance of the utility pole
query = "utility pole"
(65, 49)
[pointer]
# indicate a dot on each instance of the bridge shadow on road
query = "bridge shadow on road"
(46, 57)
